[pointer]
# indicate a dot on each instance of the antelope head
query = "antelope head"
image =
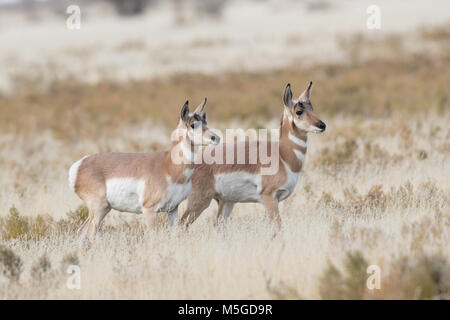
(196, 127)
(300, 111)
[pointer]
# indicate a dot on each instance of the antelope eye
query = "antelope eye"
(299, 112)
(195, 124)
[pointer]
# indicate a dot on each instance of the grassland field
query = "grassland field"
(375, 189)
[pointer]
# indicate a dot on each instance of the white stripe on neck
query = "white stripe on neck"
(187, 153)
(301, 156)
(297, 141)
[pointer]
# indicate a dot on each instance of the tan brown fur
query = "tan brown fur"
(156, 170)
(153, 168)
(204, 187)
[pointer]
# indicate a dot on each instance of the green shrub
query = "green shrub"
(14, 226)
(11, 265)
(426, 277)
(69, 259)
(42, 269)
(73, 221)
(350, 284)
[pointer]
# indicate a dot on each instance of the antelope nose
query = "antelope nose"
(321, 126)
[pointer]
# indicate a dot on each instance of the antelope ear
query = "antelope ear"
(201, 107)
(185, 111)
(287, 97)
(307, 93)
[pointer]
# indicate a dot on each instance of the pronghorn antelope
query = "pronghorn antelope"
(232, 183)
(141, 182)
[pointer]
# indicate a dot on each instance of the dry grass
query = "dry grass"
(375, 189)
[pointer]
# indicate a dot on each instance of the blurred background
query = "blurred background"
(377, 181)
(146, 46)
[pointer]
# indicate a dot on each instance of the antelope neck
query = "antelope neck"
(292, 144)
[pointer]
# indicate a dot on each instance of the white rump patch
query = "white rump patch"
(239, 187)
(73, 173)
(297, 141)
(125, 194)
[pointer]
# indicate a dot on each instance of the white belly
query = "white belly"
(176, 193)
(125, 194)
(239, 187)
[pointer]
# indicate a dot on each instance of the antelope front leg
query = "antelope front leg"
(172, 216)
(224, 211)
(151, 217)
(272, 209)
(195, 206)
